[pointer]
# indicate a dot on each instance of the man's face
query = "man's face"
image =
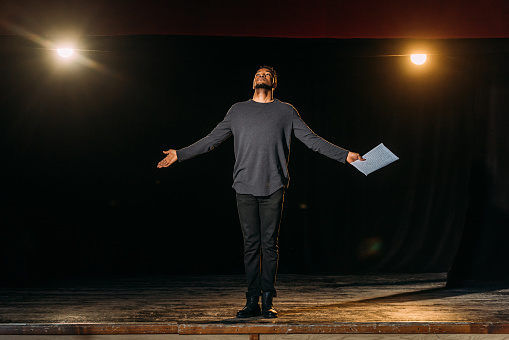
(263, 79)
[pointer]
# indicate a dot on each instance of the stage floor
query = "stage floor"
(398, 303)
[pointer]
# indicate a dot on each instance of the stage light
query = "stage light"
(65, 52)
(418, 59)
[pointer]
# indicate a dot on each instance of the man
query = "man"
(261, 128)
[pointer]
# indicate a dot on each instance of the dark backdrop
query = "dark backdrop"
(430, 19)
(80, 141)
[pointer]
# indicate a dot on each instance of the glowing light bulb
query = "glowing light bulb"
(65, 52)
(418, 59)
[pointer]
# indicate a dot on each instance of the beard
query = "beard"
(263, 86)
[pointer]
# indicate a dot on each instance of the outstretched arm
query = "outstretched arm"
(221, 132)
(318, 144)
(169, 159)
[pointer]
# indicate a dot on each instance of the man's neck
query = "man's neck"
(263, 96)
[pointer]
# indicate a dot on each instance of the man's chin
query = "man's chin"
(263, 86)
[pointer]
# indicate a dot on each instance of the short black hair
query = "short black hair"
(272, 70)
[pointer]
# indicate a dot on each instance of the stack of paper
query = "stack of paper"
(375, 159)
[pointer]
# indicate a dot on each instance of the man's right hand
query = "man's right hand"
(169, 159)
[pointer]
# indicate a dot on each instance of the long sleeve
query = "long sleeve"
(219, 134)
(315, 142)
(262, 137)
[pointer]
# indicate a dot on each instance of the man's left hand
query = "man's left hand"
(353, 156)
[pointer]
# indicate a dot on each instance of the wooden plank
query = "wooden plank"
(470, 328)
(254, 329)
(263, 337)
(88, 329)
(388, 304)
(348, 328)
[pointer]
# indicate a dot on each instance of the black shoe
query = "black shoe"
(252, 308)
(267, 310)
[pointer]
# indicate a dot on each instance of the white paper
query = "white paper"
(375, 159)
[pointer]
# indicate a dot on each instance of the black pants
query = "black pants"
(260, 217)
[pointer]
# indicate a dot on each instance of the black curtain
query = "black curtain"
(80, 141)
(482, 253)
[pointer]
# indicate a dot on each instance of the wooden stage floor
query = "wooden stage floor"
(357, 304)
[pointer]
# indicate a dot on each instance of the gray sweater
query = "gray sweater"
(262, 135)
